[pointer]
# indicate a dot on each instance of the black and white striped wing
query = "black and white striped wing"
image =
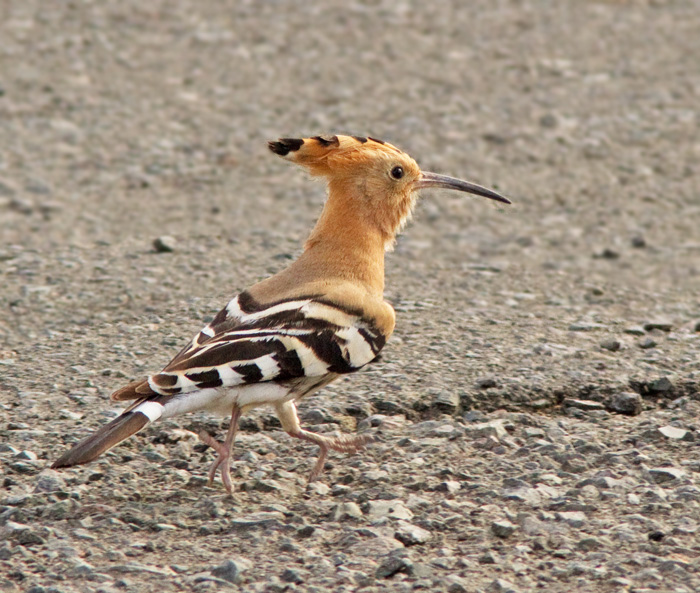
(247, 343)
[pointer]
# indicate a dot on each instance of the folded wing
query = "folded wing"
(248, 344)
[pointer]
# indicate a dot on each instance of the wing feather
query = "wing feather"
(283, 341)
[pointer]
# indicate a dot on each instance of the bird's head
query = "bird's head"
(369, 179)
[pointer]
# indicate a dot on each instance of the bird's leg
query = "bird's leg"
(287, 413)
(224, 450)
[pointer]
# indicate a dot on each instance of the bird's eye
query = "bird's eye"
(397, 172)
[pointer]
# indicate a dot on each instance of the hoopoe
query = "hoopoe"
(285, 337)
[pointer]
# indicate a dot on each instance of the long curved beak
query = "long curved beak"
(435, 180)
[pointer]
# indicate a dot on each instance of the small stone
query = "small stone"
(647, 343)
(232, 569)
(585, 327)
(305, 531)
(26, 455)
(318, 488)
(660, 324)
(392, 564)
(696, 327)
(457, 584)
(606, 253)
(638, 242)
(49, 481)
(346, 510)
(575, 519)
(589, 544)
(81, 568)
(494, 428)
(292, 576)
(29, 537)
(673, 432)
(446, 401)
(501, 586)
(660, 386)
(21, 205)
(502, 528)
(449, 486)
(488, 558)
(486, 383)
(262, 519)
(635, 330)
(610, 344)
(411, 535)
(394, 509)
(165, 244)
(665, 475)
(582, 404)
(628, 403)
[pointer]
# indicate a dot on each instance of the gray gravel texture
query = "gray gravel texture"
(536, 411)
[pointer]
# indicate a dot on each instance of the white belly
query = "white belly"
(221, 400)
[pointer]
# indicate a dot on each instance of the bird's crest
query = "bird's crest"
(324, 155)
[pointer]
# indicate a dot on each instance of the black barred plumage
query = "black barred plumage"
(289, 335)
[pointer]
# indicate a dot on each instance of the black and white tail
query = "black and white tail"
(119, 429)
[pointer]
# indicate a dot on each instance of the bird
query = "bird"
(285, 337)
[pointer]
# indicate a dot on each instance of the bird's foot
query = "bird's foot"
(222, 461)
(343, 443)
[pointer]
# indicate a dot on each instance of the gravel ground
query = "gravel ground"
(536, 411)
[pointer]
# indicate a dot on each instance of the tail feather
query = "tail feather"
(105, 438)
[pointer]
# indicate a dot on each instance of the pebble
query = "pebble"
(449, 486)
(291, 575)
(583, 404)
(446, 401)
(411, 535)
(673, 432)
(660, 324)
(589, 544)
(635, 330)
(49, 481)
(503, 528)
(647, 343)
(262, 519)
(487, 382)
(610, 344)
(501, 586)
(346, 510)
(665, 475)
(26, 456)
(392, 564)
(638, 242)
(628, 403)
(660, 386)
(585, 327)
(394, 509)
(165, 244)
(494, 428)
(575, 519)
(606, 253)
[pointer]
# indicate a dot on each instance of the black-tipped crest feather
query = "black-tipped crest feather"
(284, 146)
